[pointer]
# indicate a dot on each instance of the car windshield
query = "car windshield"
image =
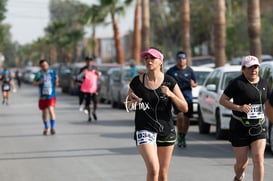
(227, 77)
(201, 76)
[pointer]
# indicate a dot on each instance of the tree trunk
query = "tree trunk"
(137, 34)
(93, 40)
(145, 6)
(119, 49)
(254, 28)
(185, 27)
(220, 33)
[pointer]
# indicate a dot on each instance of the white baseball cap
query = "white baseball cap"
(250, 60)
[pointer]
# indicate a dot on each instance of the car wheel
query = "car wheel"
(64, 90)
(113, 103)
(204, 128)
(220, 133)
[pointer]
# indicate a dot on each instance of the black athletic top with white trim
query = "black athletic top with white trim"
(154, 111)
(243, 92)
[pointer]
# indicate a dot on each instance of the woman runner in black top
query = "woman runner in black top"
(247, 125)
(153, 94)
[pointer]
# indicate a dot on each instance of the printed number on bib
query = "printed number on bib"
(6, 87)
(47, 91)
(256, 112)
(145, 137)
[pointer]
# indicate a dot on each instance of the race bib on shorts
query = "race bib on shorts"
(6, 87)
(145, 137)
(256, 112)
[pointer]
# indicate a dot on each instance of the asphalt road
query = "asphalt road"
(101, 151)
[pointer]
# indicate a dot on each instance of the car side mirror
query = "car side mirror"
(211, 87)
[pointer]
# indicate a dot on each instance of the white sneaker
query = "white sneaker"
(85, 111)
(81, 108)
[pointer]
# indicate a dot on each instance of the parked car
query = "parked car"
(210, 111)
(207, 61)
(119, 84)
(68, 75)
(201, 74)
(104, 81)
(29, 74)
(266, 72)
(238, 60)
(64, 73)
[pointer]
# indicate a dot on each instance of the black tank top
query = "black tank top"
(154, 112)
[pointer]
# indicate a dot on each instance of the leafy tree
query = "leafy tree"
(137, 35)
(93, 16)
(3, 9)
(66, 28)
(116, 7)
(185, 27)
(6, 47)
(220, 33)
(165, 26)
(254, 28)
(145, 30)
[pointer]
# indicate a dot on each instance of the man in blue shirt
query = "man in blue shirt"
(186, 79)
(47, 80)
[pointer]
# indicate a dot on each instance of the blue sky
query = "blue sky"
(28, 18)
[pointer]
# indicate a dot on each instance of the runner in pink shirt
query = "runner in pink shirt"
(89, 85)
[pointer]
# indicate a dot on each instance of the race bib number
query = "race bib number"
(256, 112)
(47, 91)
(145, 137)
(6, 87)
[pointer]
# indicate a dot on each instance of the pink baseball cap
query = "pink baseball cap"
(249, 61)
(153, 52)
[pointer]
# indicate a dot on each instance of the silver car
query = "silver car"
(119, 84)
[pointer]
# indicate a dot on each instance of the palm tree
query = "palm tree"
(93, 16)
(137, 35)
(145, 14)
(4, 29)
(114, 7)
(55, 33)
(254, 28)
(185, 27)
(220, 33)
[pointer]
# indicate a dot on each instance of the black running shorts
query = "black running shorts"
(244, 136)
